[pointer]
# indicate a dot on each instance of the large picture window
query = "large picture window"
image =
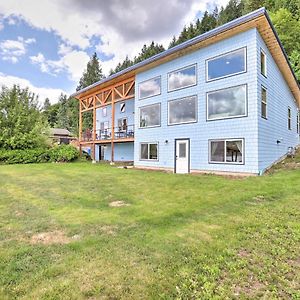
(227, 103)
(149, 151)
(228, 64)
(182, 110)
(150, 87)
(182, 78)
(150, 115)
(226, 151)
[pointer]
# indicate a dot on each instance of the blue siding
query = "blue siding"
(100, 118)
(200, 132)
(129, 112)
(123, 152)
(279, 98)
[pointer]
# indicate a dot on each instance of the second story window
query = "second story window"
(227, 64)
(182, 110)
(150, 116)
(182, 78)
(122, 107)
(104, 111)
(298, 122)
(289, 119)
(263, 63)
(227, 103)
(263, 102)
(149, 88)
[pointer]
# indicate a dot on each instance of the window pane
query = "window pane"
(149, 88)
(182, 78)
(217, 151)
(144, 151)
(153, 151)
(263, 63)
(150, 115)
(226, 103)
(104, 111)
(122, 107)
(228, 64)
(234, 151)
(263, 110)
(183, 110)
(182, 150)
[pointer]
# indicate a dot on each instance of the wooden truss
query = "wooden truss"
(108, 96)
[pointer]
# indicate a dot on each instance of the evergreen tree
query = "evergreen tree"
(62, 114)
(47, 104)
(92, 74)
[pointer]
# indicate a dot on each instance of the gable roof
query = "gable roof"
(60, 131)
(257, 19)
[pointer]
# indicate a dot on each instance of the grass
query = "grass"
(178, 237)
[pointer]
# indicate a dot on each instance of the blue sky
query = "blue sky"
(45, 45)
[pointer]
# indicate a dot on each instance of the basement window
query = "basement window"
(149, 151)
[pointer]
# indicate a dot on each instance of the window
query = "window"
(104, 125)
(289, 119)
(149, 151)
(122, 107)
(263, 102)
(182, 110)
(231, 63)
(150, 88)
(298, 122)
(227, 103)
(104, 111)
(150, 115)
(122, 124)
(226, 151)
(263, 63)
(182, 78)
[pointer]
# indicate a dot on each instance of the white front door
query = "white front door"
(182, 156)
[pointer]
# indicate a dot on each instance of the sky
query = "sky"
(45, 44)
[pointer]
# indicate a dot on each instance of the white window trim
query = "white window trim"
(122, 112)
(104, 109)
(298, 121)
(139, 117)
(188, 122)
(149, 159)
(226, 162)
(265, 102)
(139, 92)
(181, 69)
(265, 62)
(290, 118)
(223, 54)
(229, 117)
(122, 118)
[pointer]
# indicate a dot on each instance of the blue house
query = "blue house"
(224, 101)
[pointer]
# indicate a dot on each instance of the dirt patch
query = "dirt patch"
(118, 203)
(108, 229)
(53, 237)
(243, 253)
(253, 289)
(19, 214)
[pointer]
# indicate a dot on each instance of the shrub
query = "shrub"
(64, 153)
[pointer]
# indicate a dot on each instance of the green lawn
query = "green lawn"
(177, 237)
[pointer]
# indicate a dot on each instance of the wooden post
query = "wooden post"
(94, 127)
(113, 124)
(80, 127)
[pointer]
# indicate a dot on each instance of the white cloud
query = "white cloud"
(122, 25)
(12, 50)
(43, 92)
(73, 62)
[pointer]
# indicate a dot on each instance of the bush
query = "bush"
(64, 153)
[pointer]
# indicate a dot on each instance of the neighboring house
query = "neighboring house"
(61, 136)
(224, 101)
